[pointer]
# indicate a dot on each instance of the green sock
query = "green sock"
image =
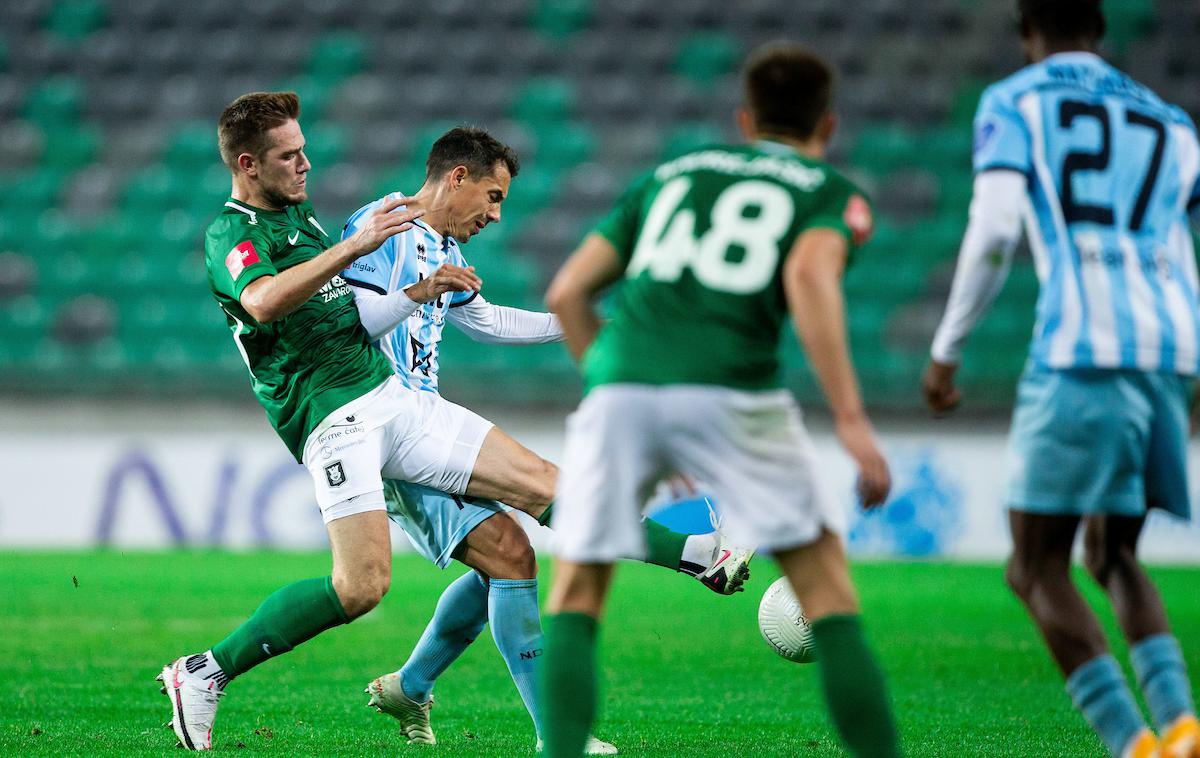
(663, 547)
(567, 679)
(288, 617)
(544, 519)
(854, 688)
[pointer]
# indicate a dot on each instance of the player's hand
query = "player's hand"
(446, 278)
(937, 385)
(383, 223)
(874, 478)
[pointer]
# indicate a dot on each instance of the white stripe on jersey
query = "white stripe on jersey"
(1097, 293)
(1147, 331)
(1181, 305)
(1062, 344)
(1181, 309)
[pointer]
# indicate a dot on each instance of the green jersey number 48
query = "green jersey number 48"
(668, 241)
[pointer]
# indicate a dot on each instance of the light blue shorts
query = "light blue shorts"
(436, 522)
(1099, 441)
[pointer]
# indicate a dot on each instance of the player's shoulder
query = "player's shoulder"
(234, 220)
(370, 207)
(1156, 103)
(1005, 92)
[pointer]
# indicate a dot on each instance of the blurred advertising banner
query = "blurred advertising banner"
(244, 491)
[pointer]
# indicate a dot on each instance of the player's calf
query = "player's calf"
(499, 548)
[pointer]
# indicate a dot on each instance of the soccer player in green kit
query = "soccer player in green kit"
(715, 248)
(332, 397)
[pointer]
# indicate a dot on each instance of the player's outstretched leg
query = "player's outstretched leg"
(1110, 555)
(710, 558)
(507, 471)
(1039, 572)
(851, 678)
(290, 616)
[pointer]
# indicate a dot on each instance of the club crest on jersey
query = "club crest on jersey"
(985, 135)
(240, 258)
(857, 217)
(335, 475)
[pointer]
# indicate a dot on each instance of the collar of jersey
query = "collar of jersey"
(1073, 56)
(255, 208)
(775, 148)
(439, 239)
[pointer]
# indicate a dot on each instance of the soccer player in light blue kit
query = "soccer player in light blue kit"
(1103, 173)
(405, 292)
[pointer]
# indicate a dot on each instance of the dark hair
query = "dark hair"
(245, 122)
(473, 147)
(1062, 20)
(788, 89)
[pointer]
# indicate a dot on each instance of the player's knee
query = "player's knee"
(1019, 577)
(1101, 561)
(515, 558)
(361, 590)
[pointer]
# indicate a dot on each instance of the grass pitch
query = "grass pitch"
(686, 674)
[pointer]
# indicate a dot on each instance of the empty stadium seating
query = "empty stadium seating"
(109, 170)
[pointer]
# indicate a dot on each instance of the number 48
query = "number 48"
(668, 243)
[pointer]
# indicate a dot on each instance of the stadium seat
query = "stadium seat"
(543, 101)
(75, 19)
(559, 19)
(106, 137)
(704, 58)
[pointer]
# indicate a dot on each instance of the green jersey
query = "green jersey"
(312, 361)
(703, 239)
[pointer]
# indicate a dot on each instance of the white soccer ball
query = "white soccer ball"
(782, 623)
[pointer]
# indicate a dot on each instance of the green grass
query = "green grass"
(685, 671)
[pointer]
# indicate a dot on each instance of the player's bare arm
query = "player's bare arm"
(812, 282)
(446, 278)
(269, 298)
(591, 268)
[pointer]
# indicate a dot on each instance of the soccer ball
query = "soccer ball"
(782, 623)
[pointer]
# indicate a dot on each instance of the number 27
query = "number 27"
(1068, 112)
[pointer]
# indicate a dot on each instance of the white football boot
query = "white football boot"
(593, 746)
(730, 565)
(387, 696)
(194, 703)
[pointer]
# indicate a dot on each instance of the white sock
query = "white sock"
(205, 666)
(698, 553)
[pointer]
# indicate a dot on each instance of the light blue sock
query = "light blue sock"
(1100, 692)
(1161, 674)
(459, 618)
(517, 628)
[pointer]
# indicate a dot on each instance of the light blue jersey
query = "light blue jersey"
(1112, 174)
(403, 260)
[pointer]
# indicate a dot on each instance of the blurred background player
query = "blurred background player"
(1103, 172)
(716, 248)
(468, 177)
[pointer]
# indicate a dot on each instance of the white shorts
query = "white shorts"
(750, 448)
(391, 432)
